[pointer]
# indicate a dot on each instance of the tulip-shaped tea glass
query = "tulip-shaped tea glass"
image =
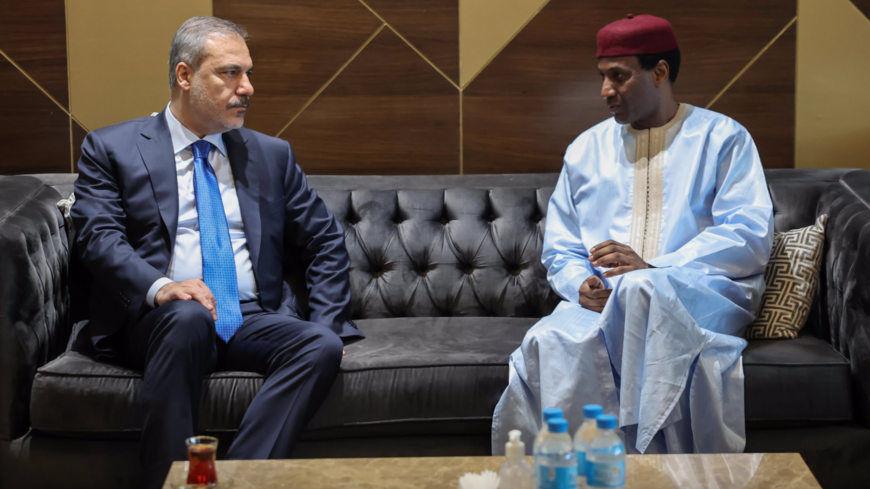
(201, 453)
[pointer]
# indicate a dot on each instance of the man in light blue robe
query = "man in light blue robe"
(657, 236)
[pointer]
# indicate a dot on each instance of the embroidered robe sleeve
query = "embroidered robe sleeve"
(738, 243)
(564, 254)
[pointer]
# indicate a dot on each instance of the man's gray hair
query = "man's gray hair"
(189, 42)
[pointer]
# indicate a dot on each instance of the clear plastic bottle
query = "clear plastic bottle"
(516, 473)
(605, 457)
(548, 414)
(584, 436)
(556, 462)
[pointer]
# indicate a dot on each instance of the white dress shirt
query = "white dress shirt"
(186, 262)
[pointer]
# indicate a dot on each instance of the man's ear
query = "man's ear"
(661, 72)
(183, 75)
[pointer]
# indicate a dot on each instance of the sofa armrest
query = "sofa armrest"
(845, 294)
(34, 295)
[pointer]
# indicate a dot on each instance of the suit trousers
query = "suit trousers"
(176, 346)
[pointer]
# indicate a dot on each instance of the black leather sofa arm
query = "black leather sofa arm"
(845, 288)
(34, 296)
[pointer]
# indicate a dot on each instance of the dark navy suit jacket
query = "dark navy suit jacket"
(126, 218)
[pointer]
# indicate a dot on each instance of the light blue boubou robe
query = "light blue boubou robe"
(665, 353)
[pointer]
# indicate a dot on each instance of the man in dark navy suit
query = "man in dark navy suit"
(184, 220)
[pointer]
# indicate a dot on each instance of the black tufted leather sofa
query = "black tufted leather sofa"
(446, 280)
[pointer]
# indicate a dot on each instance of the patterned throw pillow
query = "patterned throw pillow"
(792, 277)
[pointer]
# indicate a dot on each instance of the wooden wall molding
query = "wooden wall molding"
(752, 61)
(321, 62)
(331, 79)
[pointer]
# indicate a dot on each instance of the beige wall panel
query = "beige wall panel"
(832, 100)
(119, 55)
(485, 26)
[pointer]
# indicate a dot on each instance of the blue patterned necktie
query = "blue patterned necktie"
(218, 262)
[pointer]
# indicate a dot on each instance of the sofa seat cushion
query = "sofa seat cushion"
(76, 395)
(424, 376)
(797, 382)
(429, 375)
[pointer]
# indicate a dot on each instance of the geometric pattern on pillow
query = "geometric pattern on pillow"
(792, 278)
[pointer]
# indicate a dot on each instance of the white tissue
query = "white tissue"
(486, 480)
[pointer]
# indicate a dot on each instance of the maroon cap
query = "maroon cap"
(641, 34)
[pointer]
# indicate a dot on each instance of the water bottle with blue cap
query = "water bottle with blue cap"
(583, 438)
(605, 457)
(548, 414)
(556, 463)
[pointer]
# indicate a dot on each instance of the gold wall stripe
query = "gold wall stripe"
(80, 123)
(333, 77)
(860, 12)
(751, 62)
(461, 113)
(409, 44)
(37, 85)
(44, 91)
(72, 160)
(461, 132)
(72, 163)
(499, 50)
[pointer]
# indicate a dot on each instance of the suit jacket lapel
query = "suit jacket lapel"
(246, 175)
(155, 146)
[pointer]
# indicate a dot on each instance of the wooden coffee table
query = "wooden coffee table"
(726, 471)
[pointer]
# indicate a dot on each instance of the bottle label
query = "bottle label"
(581, 464)
(557, 477)
(606, 474)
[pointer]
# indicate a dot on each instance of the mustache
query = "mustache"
(243, 101)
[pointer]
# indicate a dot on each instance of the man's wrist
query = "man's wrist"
(151, 297)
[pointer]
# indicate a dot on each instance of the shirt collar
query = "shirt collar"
(183, 137)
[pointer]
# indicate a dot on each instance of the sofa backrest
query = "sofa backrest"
(795, 194)
(34, 293)
(470, 245)
(446, 245)
(796, 204)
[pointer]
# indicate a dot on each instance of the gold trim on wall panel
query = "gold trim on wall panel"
(80, 123)
(37, 85)
(751, 62)
(486, 27)
(68, 95)
(72, 164)
(461, 113)
(66, 27)
(461, 149)
(332, 78)
(118, 56)
(396, 32)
